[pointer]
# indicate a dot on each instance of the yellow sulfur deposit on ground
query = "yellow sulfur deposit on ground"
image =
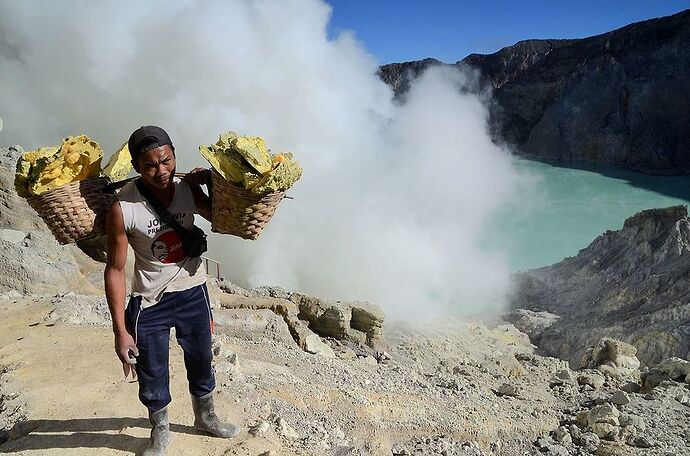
(245, 161)
(120, 164)
(42, 170)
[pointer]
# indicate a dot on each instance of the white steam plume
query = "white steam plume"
(393, 199)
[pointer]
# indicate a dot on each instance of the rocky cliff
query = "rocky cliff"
(630, 284)
(619, 98)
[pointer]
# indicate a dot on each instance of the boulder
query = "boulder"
(314, 344)
(603, 420)
(613, 353)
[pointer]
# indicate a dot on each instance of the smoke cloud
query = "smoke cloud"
(394, 198)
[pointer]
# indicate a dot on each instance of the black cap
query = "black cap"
(146, 138)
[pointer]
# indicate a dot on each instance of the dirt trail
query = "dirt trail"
(77, 401)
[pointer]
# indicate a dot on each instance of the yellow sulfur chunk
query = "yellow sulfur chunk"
(49, 167)
(228, 161)
(285, 173)
(120, 164)
(246, 162)
(253, 149)
(24, 165)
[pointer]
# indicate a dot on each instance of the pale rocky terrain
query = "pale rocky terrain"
(309, 376)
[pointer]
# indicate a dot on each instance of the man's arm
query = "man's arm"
(195, 178)
(115, 286)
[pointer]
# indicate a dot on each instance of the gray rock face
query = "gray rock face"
(629, 284)
(35, 265)
(16, 212)
(31, 260)
(618, 98)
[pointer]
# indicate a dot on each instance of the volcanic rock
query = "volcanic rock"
(630, 284)
(616, 98)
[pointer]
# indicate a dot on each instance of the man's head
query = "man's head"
(153, 156)
(146, 138)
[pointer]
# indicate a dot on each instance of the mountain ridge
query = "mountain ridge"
(617, 98)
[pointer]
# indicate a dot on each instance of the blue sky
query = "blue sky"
(402, 30)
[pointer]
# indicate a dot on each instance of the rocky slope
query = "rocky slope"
(618, 98)
(630, 284)
(445, 389)
(31, 260)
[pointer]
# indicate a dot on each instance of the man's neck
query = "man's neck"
(164, 196)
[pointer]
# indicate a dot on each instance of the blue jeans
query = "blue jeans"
(189, 312)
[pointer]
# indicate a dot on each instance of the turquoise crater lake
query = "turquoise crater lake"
(565, 208)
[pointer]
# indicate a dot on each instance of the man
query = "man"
(168, 287)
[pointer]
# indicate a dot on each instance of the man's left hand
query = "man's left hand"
(198, 176)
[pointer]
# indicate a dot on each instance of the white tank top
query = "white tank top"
(160, 262)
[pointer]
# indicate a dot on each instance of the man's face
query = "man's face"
(159, 250)
(157, 167)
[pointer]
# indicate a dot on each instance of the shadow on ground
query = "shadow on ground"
(81, 433)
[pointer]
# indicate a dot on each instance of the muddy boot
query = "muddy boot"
(160, 433)
(206, 420)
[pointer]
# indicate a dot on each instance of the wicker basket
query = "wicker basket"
(75, 211)
(238, 211)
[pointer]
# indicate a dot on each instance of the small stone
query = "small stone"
(544, 442)
(260, 428)
(347, 353)
(285, 430)
(592, 379)
(631, 387)
(575, 433)
(556, 450)
(683, 399)
(620, 398)
(612, 449)
(632, 420)
(605, 430)
(369, 360)
(589, 441)
(507, 389)
(641, 441)
(399, 450)
(562, 435)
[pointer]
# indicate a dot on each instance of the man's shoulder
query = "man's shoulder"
(129, 194)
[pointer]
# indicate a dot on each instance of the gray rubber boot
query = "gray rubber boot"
(160, 433)
(206, 420)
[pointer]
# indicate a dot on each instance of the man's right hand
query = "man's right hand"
(124, 347)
